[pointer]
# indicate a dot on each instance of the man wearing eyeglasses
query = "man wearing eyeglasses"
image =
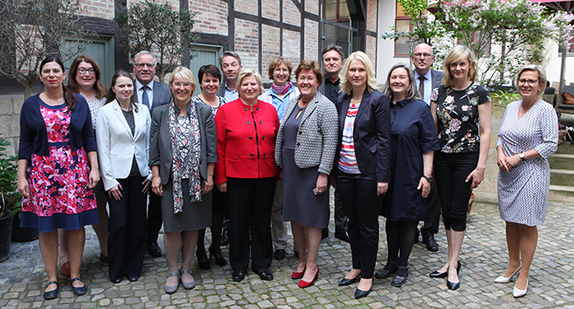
(151, 94)
(231, 67)
(428, 79)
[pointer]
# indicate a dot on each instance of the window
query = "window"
(402, 24)
(339, 27)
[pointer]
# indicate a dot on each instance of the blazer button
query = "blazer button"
(248, 122)
(263, 138)
(257, 108)
(300, 132)
(260, 122)
(246, 109)
(252, 155)
(264, 155)
(251, 138)
(298, 144)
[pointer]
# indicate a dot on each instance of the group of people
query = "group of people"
(409, 153)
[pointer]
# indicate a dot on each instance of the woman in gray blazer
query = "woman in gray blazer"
(305, 149)
(182, 157)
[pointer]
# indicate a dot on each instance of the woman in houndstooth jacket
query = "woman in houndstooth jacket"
(305, 149)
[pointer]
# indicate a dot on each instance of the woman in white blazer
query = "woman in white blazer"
(122, 131)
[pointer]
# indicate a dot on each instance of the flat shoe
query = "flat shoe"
(190, 284)
(398, 281)
(238, 275)
(81, 290)
(264, 274)
(346, 281)
(170, 289)
(503, 279)
(519, 293)
(385, 273)
(65, 269)
(53, 293)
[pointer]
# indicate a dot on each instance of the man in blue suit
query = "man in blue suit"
(428, 79)
(151, 94)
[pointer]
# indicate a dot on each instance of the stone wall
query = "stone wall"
(10, 106)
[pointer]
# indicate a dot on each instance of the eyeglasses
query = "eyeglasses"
(83, 71)
(178, 84)
(143, 65)
(422, 55)
(530, 82)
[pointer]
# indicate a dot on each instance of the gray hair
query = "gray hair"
(145, 52)
(336, 48)
(535, 68)
(229, 53)
(412, 92)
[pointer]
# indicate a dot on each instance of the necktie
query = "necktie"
(422, 86)
(145, 98)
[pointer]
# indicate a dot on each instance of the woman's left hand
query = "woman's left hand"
(146, 184)
(94, 178)
(382, 187)
(477, 175)
(425, 185)
(322, 182)
(207, 185)
(512, 161)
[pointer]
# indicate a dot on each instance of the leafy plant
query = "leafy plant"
(10, 199)
(505, 97)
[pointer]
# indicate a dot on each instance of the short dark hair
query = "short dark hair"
(228, 53)
(310, 65)
(336, 48)
(208, 69)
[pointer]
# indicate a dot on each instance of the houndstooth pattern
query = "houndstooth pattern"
(318, 134)
(523, 191)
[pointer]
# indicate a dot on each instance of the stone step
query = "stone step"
(561, 193)
(561, 177)
(561, 162)
(561, 171)
(563, 155)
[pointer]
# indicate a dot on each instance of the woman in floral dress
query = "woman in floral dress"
(57, 169)
(461, 111)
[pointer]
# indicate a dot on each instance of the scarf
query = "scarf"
(281, 90)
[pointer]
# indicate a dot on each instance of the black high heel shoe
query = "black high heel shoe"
(437, 274)
(453, 285)
(202, 260)
(216, 252)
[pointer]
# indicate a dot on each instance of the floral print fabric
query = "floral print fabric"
(58, 182)
(457, 117)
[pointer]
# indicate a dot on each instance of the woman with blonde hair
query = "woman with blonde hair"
(182, 158)
(461, 112)
(362, 164)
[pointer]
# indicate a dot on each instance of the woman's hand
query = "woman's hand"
(322, 182)
(425, 186)
(512, 161)
(501, 160)
(116, 192)
(94, 178)
(156, 185)
(23, 187)
(207, 185)
(146, 183)
(222, 187)
(382, 187)
(477, 175)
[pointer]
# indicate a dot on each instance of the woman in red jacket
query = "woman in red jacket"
(246, 170)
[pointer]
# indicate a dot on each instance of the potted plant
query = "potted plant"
(9, 198)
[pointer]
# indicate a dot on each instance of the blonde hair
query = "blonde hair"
(248, 72)
(184, 74)
(456, 54)
(346, 86)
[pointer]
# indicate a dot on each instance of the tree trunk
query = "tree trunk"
(27, 91)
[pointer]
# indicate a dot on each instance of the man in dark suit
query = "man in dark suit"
(231, 67)
(428, 79)
(151, 94)
(332, 64)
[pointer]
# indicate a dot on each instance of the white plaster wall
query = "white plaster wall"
(554, 63)
(386, 48)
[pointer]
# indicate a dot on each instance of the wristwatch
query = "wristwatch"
(521, 156)
(427, 178)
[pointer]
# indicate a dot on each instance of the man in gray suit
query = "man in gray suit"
(151, 94)
(231, 67)
(428, 79)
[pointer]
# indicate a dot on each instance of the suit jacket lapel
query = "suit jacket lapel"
(311, 107)
(121, 118)
(364, 102)
(343, 111)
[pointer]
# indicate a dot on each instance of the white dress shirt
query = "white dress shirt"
(138, 86)
(428, 85)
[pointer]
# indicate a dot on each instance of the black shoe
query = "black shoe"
(346, 281)
(451, 285)
(361, 294)
(204, 264)
(238, 275)
(264, 274)
(53, 293)
(324, 233)
(153, 249)
(342, 236)
(116, 280)
(437, 274)
(430, 242)
(385, 273)
(81, 290)
(279, 254)
(398, 281)
(225, 235)
(133, 278)
(216, 253)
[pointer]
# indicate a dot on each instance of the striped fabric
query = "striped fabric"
(347, 158)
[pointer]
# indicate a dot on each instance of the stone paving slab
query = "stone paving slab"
(484, 257)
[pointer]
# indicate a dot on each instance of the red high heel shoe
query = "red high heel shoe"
(304, 284)
(298, 274)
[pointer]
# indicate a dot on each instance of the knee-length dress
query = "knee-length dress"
(300, 204)
(60, 196)
(523, 191)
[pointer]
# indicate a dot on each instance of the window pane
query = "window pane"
(400, 10)
(330, 9)
(343, 9)
(402, 44)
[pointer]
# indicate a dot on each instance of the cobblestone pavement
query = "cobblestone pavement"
(483, 258)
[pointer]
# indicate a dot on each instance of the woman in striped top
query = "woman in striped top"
(362, 164)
